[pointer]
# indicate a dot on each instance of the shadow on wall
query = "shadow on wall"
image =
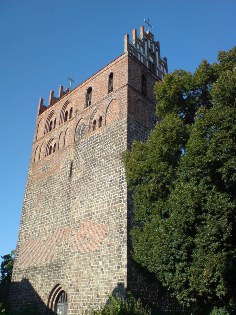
(24, 300)
(121, 302)
(143, 285)
(119, 290)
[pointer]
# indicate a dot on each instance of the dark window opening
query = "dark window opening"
(54, 147)
(62, 304)
(88, 99)
(94, 124)
(110, 83)
(50, 125)
(66, 116)
(55, 122)
(100, 122)
(50, 150)
(71, 112)
(153, 67)
(144, 85)
(71, 169)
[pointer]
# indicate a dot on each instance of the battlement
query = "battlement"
(95, 103)
(143, 47)
(147, 51)
(52, 99)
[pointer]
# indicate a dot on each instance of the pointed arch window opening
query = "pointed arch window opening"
(58, 301)
(54, 147)
(88, 100)
(66, 116)
(61, 304)
(71, 112)
(50, 150)
(50, 125)
(110, 83)
(71, 169)
(94, 124)
(100, 122)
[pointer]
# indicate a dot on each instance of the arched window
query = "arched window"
(71, 112)
(94, 124)
(110, 83)
(71, 169)
(54, 147)
(144, 85)
(50, 125)
(100, 122)
(50, 150)
(61, 304)
(55, 122)
(66, 116)
(58, 301)
(49, 122)
(88, 99)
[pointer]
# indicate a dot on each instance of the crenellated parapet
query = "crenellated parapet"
(41, 106)
(147, 51)
(52, 99)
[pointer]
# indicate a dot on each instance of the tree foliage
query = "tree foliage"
(118, 305)
(183, 181)
(7, 267)
(5, 279)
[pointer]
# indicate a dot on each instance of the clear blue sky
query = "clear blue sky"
(42, 42)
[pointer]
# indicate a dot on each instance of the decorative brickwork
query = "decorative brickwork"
(73, 240)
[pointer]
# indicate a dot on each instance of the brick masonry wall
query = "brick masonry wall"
(141, 108)
(75, 218)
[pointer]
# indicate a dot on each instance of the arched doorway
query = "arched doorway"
(58, 302)
(61, 304)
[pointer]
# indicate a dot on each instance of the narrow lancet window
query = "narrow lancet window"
(94, 124)
(66, 116)
(71, 169)
(71, 112)
(62, 304)
(100, 122)
(110, 83)
(88, 99)
(54, 147)
(50, 125)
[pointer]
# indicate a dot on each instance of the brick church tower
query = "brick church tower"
(73, 246)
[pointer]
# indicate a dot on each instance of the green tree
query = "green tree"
(7, 267)
(5, 279)
(183, 181)
(118, 305)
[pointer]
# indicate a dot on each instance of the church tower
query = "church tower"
(73, 246)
